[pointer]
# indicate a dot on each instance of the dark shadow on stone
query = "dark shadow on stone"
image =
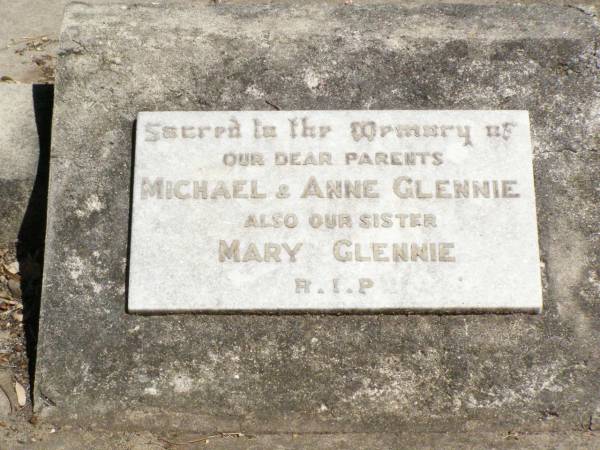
(30, 246)
(133, 142)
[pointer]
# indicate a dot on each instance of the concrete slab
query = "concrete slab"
(318, 373)
(26, 58)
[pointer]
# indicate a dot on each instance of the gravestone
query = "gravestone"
(99, 363)
(332, 210)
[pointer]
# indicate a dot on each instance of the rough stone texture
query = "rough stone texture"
(360, 373)
(21, 108)
(28, 59)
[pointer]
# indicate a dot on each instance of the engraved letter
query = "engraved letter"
(464, 132)
(312, 189)
(229, 252)
(344, 257)
(408, 130)
(292, 252)
(363, 129)
(151, 134)
(272, 251)
(188, 132)
(364, 283)
(293, 125)
(507, 130)
(170, 132)
(440, 189)
(430, 130)
(252, 254)
(397, 185)
(493, 130)
(507, 191)
(152, 189)
(444, 251)
(229, 159)
(234, 129)
(302, 285)
(177, 189)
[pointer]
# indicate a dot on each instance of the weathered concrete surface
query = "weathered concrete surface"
(27, 59)
(360, 373)
(22, 108)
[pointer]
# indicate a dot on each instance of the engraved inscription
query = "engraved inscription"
(333, 210)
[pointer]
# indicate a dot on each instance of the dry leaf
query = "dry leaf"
(12, 267)
(8, 271)
(21, 394)
(18, 317)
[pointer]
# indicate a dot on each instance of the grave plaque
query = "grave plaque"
(334, 210)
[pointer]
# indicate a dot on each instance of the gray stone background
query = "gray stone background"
(550, 366)
(22, 20)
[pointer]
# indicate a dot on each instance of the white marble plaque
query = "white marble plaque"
(334, 210)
